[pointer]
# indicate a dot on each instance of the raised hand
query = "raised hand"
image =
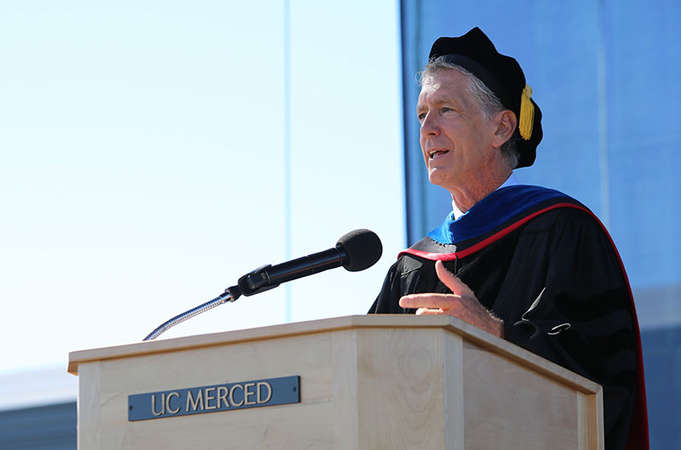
(461, 303)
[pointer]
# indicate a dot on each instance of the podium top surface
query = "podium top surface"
(468, 332)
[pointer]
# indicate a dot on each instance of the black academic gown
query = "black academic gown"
(544, 264)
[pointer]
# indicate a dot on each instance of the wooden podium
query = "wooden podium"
(365, 382)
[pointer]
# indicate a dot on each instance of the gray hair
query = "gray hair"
(488, 103)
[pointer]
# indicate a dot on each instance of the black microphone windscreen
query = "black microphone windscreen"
(362, 248)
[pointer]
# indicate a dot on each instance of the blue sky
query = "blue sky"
(141, 163)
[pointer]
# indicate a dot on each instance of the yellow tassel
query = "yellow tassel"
(526, 114)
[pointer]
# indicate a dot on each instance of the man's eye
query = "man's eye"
(445, 109)
(421, 116)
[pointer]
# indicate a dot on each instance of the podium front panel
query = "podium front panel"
(398, 382)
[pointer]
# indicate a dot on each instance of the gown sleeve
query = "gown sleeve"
(403, 277)
(385, 301)
(583, 318)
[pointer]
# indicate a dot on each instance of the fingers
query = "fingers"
(462, 303)
(429, 312)
(431, 301)
(451, 281)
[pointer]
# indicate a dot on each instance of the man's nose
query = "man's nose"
(430, 125)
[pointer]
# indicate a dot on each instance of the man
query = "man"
(525, 263)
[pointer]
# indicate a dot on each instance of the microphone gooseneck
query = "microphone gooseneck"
(202, 308)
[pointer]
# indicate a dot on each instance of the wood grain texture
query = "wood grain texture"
(377, 382)
(323, 363)
(469, 332)
(454, 392)
(590, 426)
(504, 402)
(400, 389)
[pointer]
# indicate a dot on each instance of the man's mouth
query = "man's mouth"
(435, 154)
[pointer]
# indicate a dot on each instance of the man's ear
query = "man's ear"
(505, 122)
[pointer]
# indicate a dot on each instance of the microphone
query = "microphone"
(356, 250)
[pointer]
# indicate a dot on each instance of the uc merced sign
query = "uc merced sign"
(213, 398)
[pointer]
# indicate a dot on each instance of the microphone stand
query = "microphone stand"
(230, 295)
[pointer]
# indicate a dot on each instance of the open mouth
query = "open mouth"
(435, 154)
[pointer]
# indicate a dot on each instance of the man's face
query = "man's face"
(456, 138)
